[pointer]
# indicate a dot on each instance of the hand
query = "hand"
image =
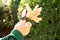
(23, 27)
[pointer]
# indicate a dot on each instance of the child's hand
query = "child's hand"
(23, 27)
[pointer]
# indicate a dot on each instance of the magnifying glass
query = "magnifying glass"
(23, 14)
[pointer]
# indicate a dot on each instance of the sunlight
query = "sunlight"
(6, 2)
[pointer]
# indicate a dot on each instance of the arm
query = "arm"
(14, 35)
(21, 29)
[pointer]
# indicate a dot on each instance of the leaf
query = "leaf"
(33, 14)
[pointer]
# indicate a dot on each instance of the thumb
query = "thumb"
(28, 25)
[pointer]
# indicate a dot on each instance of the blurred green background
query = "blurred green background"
(47, 29)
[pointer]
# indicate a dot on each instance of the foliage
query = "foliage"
(8, 16)
(47, 29)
